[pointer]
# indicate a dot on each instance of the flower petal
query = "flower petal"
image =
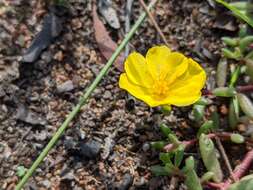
(137, 91)
(186, 89)
(162, 62)
(136, 70)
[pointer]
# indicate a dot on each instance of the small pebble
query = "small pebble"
(65, 87)
(145, 147)
(241, 128)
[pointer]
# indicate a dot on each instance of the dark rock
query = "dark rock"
(52, 27)
(126, 183)
(28, 116)
(90, 149)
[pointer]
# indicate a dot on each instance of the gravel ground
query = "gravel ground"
(107, 145)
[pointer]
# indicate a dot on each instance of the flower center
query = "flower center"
(160, 89)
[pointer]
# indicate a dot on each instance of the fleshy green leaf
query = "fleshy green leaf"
(246, 104)
(158, 170)
(245, 42)
(207, 177)
(165, 157)
(173, 139)
(21, 170)
(215, 117)
(221, 74)
(158, 145)
(165, 130)
(237, 138)
(208, 154)
(166, 109)
(246, 183)
(249, 68)
(230, 41)
(179, 155)
(192, 181)
(239, 5)
(203, 101)
(205, 128)
(249, 55)
(236, 12)
(243, 31)
(235, 76)
(232, 116)
(224, 92)
(236, 54)
(198, 112)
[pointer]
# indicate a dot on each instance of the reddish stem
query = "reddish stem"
(215, 185)
(246, 88)
(237, 173)
(240, 169)
(189, 143)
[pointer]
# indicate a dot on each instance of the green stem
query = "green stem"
(83, 99)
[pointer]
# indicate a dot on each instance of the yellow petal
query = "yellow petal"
(136, 70)
(186, 89)
(178, 70)
(162, 62)
(137, 91)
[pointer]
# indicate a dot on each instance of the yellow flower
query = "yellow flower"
(163, 77)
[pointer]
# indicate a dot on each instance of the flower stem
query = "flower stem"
(83, 99)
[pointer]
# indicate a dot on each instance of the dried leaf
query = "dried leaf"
(108, 12)
(105, 44)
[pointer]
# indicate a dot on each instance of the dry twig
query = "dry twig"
(225, 157)
(154, 22)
